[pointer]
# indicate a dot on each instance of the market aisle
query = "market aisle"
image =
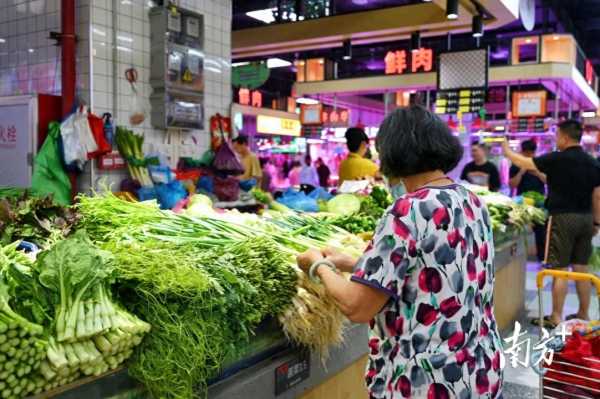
(524, 383)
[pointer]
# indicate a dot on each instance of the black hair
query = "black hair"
(241, 139)
(307, 160)
(479, 144)
(413, 140)
(355, 136)
(529, 146)
(572, 129)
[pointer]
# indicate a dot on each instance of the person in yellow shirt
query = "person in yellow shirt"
(250, 162)
(356, 166)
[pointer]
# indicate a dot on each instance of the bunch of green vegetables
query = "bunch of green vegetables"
(31, 218)
(204, 280)
(22, 347)
(66, 293)
(371, 210)
(538, 199)
(130, 148)
(21, 351)
(201, 303)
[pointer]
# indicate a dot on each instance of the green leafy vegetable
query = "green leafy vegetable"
(344, 204)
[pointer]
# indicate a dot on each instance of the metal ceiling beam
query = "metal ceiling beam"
(373, 26)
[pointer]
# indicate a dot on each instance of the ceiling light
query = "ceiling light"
(499, 128)
(555, 37)
(238, 64)
(2, 40)
(415, 41)
(265, 15)
(477, 26)
(427, 1)
(277, 63)
(452, 9)
(307, 101)
(31, 50)
(527, 40)
(347, 49)
(588, 114)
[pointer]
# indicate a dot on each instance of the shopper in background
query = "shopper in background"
(294, 174)
(267, 178)
(356, 166)
(523, 181)
(425, 282)
(480, 171)
(574, 205)
(323, 172)
(252, 168)
(309, 179)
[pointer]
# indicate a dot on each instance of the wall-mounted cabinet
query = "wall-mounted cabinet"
(177, 68)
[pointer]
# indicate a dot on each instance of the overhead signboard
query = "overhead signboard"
(273, 125)
(250, 76)
(311, 114)
(464, 101)
(399, 62)
(529, 103)
(463, 69)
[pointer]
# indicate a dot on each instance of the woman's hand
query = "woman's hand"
(343, 262)
(306, 259)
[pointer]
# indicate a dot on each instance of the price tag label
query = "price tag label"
(292, 373)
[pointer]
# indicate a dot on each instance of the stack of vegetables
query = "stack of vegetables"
(22, 348)
(508, 214)
(359, 214)
(204, 280)
(130, 148)
(64, 294)
(31, 218)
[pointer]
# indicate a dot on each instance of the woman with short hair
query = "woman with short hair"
(425, 282)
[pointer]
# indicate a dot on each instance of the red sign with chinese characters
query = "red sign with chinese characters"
(251, 98)
(397, 62)
(335, 117)
(589, 72)
(8, 136)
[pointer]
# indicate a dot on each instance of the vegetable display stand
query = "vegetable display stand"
(510, 266)
(271, 368)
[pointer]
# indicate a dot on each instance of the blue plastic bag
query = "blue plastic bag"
(247, 185)
(170, 194)
(146, 194)
(320, 193)
(206, 184)
(298, 201)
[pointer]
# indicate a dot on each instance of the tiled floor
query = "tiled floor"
(524, 383)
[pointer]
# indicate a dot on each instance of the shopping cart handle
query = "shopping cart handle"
(575, 276)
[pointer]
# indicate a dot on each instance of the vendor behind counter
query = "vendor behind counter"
(356, 166)
(250, 162)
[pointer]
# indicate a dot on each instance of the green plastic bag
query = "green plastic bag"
(49, 177)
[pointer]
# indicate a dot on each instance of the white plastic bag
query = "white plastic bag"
(83, 130)
(77, 138)
(70, 140)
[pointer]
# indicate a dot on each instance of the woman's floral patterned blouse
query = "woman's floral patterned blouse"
(436, 337)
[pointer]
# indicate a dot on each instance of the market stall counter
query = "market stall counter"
(509, 288)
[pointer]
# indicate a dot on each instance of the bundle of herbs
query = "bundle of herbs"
(201, 303)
